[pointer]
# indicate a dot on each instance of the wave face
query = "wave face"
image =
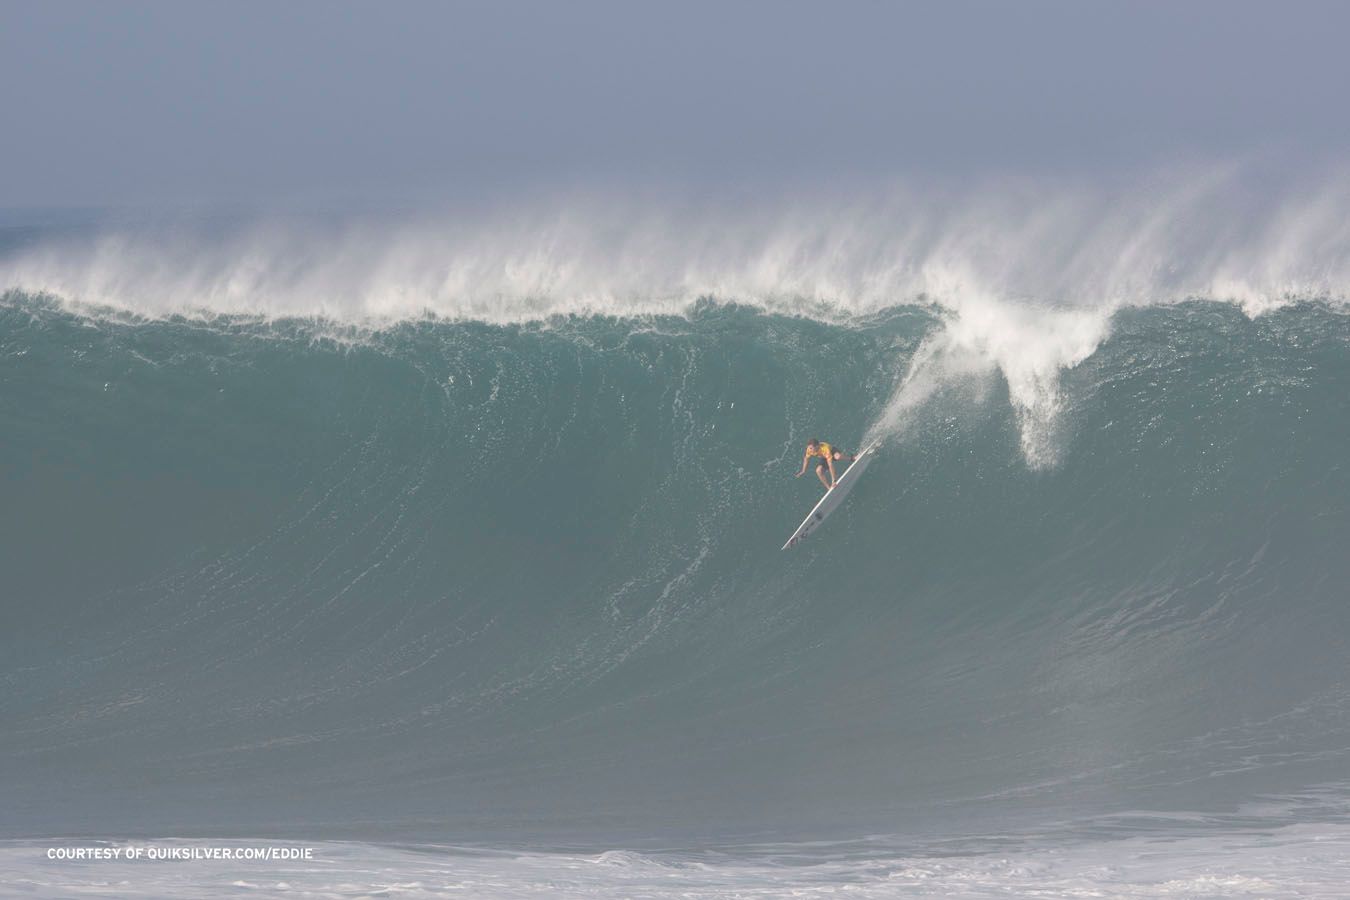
(473, 578)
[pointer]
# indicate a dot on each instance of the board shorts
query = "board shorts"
(839, 456)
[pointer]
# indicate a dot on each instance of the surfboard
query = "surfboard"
(834, 496)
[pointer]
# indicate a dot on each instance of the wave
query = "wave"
(457, 577)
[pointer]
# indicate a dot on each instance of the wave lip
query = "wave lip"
(1052, 243)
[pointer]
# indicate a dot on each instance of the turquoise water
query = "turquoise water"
(490, 571)
(517, 583)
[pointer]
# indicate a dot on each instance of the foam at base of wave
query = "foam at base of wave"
(1303, 860)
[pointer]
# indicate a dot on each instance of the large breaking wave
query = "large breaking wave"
(381, 533)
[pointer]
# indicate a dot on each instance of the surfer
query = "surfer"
(827, 454)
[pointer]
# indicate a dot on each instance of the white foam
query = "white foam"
(1030, 345)
(1053, 242)
(1299, 860)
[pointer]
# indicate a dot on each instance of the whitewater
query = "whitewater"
(446, 544)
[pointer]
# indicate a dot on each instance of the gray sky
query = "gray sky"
(142, 104)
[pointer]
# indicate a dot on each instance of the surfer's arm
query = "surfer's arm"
(805, 458)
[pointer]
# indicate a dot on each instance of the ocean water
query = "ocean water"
(460, 566)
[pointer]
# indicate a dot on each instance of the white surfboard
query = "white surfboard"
(834, 496)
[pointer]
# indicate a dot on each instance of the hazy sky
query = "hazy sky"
(166, 103)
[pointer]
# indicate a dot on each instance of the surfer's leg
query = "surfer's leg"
(823, 473)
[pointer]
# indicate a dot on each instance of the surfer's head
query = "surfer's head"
(812, 444)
